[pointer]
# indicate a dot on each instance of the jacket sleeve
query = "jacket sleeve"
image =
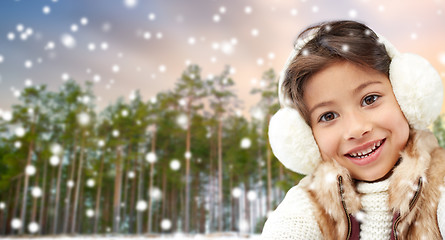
(441, 214)
(293, 219)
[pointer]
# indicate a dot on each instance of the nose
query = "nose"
(356, 126)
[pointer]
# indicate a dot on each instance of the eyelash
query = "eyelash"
(363, 103)
(375, 97)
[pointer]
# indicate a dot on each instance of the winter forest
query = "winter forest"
(149, 119)
(185, 161)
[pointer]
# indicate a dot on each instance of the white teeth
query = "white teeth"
(367, 151)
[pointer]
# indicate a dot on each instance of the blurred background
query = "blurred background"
(150, 116)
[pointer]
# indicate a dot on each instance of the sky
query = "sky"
(145, 45)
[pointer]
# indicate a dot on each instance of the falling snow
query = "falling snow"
(113, 57)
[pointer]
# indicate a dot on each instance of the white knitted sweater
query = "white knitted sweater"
(294, 217)
(376, 218)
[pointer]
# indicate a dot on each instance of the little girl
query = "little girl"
(354, 119)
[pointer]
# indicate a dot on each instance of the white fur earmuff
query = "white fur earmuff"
(417, 87)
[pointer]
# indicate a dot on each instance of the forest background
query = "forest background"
(150, 117)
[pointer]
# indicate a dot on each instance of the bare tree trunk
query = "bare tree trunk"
(247, 204)
(117, 191)
(34, 202)
(79, 221)
(42, 200)
(260, 176)
(133, 195)
(59, 178)
(17, 195)
(150, 202)
(78, 184)
(174, 209)
(233, 206)
(164, 192)
(25, 188)
(187, 170)
(140, 187)
(150, 188)
(281, 177)
(98, 194)
(68, 197)
(269, 173)
(125, 175)
(220, 178)
(212, 186)
(7, 210)
(107, 209)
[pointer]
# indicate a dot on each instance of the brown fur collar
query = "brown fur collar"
(416, 163)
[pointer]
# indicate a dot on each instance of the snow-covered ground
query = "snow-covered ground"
(222, 236)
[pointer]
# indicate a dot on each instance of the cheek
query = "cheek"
(395, 122)
(327, 142)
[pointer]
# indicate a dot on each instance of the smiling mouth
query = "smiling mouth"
(366, 152)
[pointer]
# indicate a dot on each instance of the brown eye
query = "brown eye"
(328, 117)
(369, 100)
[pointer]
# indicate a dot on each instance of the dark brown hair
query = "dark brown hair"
(332, 42)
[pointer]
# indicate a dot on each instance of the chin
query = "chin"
(373, 177)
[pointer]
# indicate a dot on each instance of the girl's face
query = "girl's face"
(356, 120)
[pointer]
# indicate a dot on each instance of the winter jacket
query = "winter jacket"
(324, 204)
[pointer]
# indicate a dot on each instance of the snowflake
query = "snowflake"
(381, 8)
(191, 40)
(254, 32)
(54, 160)
(315, 9)
(166, 224)
(28, 64)
(252, 195)
(74, 28)
(68, 40)
(115, 68)
(141, 205)
(65, 76)
(30, 170)
(91, 183)
(10, 36)
(90, 213)
(216, 18)
(130, 3)
(147, 35)
(84, 21)
(151, 16)
(442, 58)
(151, 157)
(155, 193)
(245, 143)
(20, 27)
(16, 223)
(236, 192)
(104, 46)
(91, 47)
(352, 13)
(46, 10)
(175, 164)
(20, 132)
(36, 192)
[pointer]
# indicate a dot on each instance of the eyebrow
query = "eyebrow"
(364, 85)
(355, 91)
